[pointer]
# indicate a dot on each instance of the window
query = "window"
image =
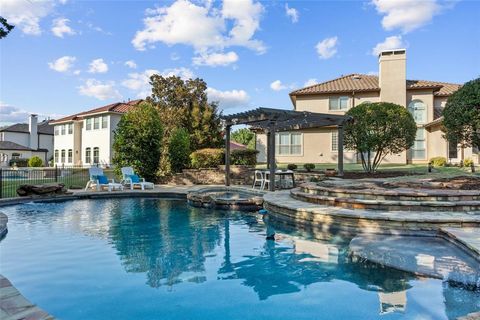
(55, 156)
(104, 122)
(288, 143)
(96, 155)
(88, 124)
(418, 109)
(418, 149)
(452, 150)
(16, 156)
(334, 141)
(57, 130)
(70, 128)
(63, 129)
(338, 103)
(88, 155)
(63, 156)
(70, 155)
(96, 123)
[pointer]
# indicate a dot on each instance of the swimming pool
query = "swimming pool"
(162, 259)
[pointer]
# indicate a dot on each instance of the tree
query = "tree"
(244, 136)
(379, 129)
(461, 116)
(35, 161)
(179, 149)
(5, 27)
(138, 141)
(184, 104)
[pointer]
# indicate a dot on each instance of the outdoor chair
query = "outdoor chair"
(258, 179)
(131, 179)
(100, 181)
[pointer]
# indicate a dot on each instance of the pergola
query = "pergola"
(278, 120)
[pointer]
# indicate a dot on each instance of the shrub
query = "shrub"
(247, 157)
(35, 162)
(438, 161)
(309, 166)
(179, 150)
(467, 162)
(207, 158)
(21, 162)
(292, 166)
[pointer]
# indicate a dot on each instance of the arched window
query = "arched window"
(418, 109)
(88, 155)
(96, 155)
(70, 155)
(63, 156)
(55, 157)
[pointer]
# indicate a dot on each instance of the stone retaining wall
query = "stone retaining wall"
(240, 175)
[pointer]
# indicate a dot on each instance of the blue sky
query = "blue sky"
(66, 56)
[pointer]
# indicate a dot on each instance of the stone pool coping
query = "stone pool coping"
(14, 306)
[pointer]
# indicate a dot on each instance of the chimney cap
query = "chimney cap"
(392, 52)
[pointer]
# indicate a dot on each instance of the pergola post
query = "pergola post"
(271, 151)
(227, 155)
(268, 148)
(340, 150)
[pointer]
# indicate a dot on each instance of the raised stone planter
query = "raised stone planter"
(226, 198)
(41, 190)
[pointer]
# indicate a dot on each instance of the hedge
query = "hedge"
(21, 162)
(246, 157)
(438, 161)
(207, 158)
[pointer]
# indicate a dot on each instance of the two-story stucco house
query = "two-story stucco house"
(424, 99)
(86, 138)
(25, 140)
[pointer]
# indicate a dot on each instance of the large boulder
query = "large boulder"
(41, 190)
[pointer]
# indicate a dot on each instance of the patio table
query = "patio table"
(282, 175)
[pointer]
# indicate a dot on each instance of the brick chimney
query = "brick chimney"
(33, 129)
(392, 76)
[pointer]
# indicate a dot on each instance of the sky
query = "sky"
(67, 56)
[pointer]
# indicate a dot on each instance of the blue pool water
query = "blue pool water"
(161, 259)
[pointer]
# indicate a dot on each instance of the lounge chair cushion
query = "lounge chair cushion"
(134, 178)
(102, 179)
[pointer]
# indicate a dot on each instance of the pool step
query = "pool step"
(392, 194)
(386, 205)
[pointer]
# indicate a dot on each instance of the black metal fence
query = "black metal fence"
(73, 177)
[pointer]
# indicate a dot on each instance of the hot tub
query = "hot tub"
(227, 198)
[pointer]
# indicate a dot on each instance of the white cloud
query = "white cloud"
(174, 56)
(327, 48)
(408, 15)
(100, 90)
(277, 85)
(60, 27)
(10, 114)
(62, 64)
(131, 64)
(310, 82)
(206, 28)
(98, 66)
(140, 81)
(393, 42)
(26, 14)
(215, 59)
(228, 99)
(292, 13)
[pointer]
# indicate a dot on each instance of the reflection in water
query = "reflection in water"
(176, 246)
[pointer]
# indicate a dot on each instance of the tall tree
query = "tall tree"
(379, 129)
(138, 141)
(184, 104)
(461, 116)
(5, 27)
(244, 136)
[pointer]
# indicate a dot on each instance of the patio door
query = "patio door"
(453, 152)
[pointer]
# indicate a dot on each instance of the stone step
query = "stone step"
(396, 194)
(386, 205)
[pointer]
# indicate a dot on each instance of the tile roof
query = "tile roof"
(237, 146)
(43, 128)
(363, 82)
(119, 107)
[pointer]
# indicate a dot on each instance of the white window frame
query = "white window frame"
(104, 121)
(63, 129)
(290, 146)
(62, 156)
(424, 149)
(70, 128)
(57, 130)
(96, 123)
(88, 124)
(334, 141)
(337, 100)
(69, 155)
(88, 155)
(96, 155)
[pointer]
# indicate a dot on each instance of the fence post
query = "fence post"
(56, 173)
